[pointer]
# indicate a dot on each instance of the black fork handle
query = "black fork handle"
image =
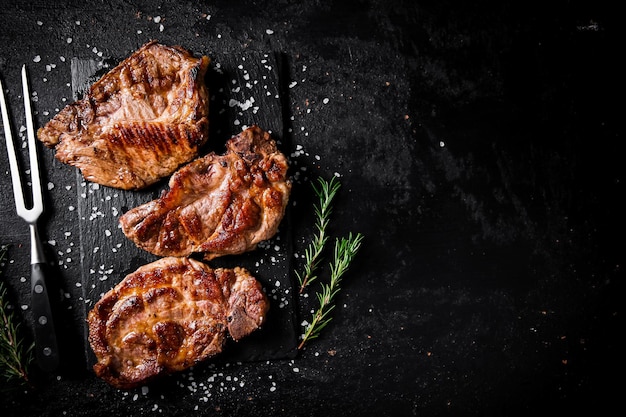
(46, 348)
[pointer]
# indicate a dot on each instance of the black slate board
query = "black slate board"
(244, 90)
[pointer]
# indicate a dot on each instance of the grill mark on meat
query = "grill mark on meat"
(217, 205)
(139, 122)
(169, 315)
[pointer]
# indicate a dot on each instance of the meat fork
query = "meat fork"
(46, 350)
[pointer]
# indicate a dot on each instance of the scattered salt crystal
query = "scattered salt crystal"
(69, 40)
(156, 19)
(50, 186)
(37, 58)
(269, 31)
(325, 101)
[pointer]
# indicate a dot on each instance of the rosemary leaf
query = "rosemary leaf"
(345, 251)
(325, 191)
(14, 357)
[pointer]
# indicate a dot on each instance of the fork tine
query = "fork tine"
(32, 148)
(15, 174)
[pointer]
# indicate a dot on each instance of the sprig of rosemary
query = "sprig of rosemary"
(345, 251)
(14, 356)
(325, 191)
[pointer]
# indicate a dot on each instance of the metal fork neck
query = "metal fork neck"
(36, 248)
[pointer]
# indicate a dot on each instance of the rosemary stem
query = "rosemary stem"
(325, 191)
(13, 359)
(345, 251)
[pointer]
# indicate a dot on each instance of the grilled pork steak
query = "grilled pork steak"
(218, 204)
(169, 315)
(139, 122)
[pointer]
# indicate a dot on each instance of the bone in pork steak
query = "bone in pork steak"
(169, 315)
(139, 122)
(218, 204)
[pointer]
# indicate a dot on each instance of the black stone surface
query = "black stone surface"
(478, 151)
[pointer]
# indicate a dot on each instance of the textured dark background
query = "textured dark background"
(477, 147)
